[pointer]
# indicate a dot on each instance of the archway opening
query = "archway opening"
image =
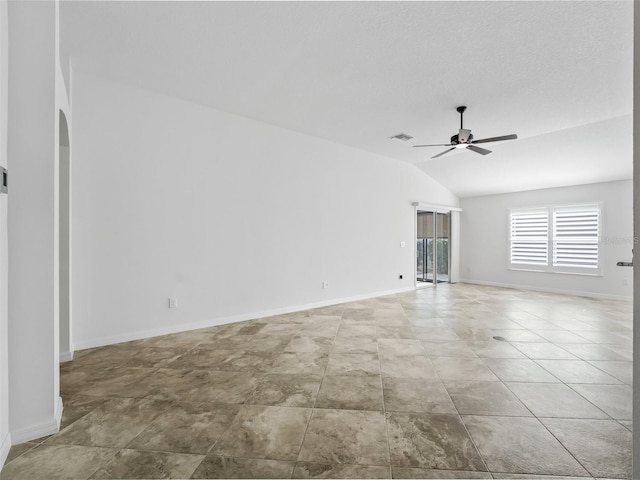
(64, 243)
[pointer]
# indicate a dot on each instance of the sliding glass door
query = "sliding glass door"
(443, 222)
(432, 247)
(425, 247)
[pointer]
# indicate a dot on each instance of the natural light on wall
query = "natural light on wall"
(559, 239)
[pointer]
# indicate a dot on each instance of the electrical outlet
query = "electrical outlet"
(325, 284)
(173, 302)
(403, 244)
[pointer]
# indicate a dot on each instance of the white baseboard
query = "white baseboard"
(576, 293)
(66, 356)
(32, 432)
(5, 446)
(127, 337)
(58, 414)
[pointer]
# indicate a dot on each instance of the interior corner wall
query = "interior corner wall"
(232, 217)
(5, 437)
(485, 240)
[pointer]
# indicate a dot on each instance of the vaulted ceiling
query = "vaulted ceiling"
(557, 73)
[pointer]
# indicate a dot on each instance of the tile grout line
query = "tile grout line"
(545, 426)
(464, 425)
(384, 407)
(242, 406)
(565, 447)
(315, 401)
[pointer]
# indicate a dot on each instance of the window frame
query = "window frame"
(552, 239)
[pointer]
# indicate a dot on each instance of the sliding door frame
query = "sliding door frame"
(454, 237)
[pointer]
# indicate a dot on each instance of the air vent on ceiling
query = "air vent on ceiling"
(401, 137)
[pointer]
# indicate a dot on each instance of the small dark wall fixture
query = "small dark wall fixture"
(4, 185)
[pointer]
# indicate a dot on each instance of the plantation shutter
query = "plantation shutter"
(575, 236)
(529, 238)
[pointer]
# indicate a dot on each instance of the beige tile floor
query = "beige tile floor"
(405, 386)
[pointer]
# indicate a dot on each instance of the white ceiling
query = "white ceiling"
(557, 73)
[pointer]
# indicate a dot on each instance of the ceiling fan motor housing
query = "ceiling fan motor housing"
(455, 140)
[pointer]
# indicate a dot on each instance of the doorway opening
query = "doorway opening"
(433, 252)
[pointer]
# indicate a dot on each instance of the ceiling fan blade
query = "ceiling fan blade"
(481, 151)
(513, 136)
(446, 151)
(438, 145)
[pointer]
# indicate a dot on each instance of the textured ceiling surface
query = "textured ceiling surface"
(559, 74)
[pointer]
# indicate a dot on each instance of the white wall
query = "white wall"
(5, 437)
(485, 240)
(34, 401)
(234, 217)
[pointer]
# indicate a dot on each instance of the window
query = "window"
(562, 239)
(530, 237)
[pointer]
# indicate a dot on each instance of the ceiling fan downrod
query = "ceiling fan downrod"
(461, 109)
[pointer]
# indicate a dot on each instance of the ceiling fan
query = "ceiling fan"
(464, 139)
